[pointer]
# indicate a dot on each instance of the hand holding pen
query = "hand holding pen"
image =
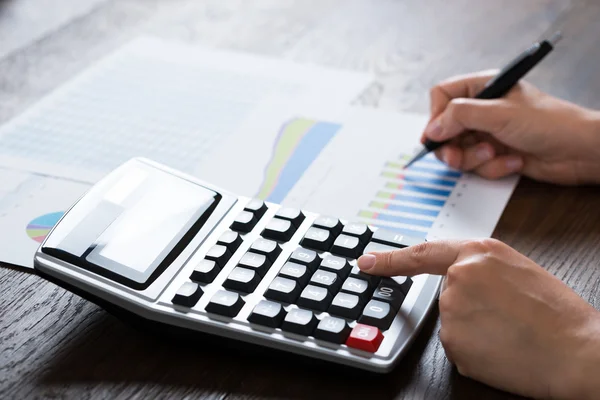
(524, 130)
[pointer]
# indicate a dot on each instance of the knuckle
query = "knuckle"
(445, 303)
(485, 245)
(417, 254)
(458, 108)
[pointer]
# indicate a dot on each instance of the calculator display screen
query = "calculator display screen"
(134, 223)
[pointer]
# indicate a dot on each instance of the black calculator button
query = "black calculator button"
(374, 247)
(266, 247)
(188, 294)
(242, 279)
(326, 279)
(283, 289)
(347, 246)
(310, 258)
(315, 298)
(334, 330)
(318, 239)
(395, 239)
(205, 272)
(302, 322)
(378, 313)
(256, 207)
(333, 225)
(219, 254)
(225, 303)
(390, 292)
(293, 215)
(297, 272)
(405, 283)
(339, 265)
(358, 287)
(279, 229)
(267, 313)
(359, 230)
(244, 222)
(231, 240)
(346, 305)
(258, 262)
(372, 279)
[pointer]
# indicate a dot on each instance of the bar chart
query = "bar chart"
(409, 201)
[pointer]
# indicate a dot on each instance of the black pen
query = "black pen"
(504, 81)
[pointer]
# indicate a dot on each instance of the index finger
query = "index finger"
(468, 85)
(424, 258)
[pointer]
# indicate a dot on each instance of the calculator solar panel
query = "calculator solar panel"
(237, 267)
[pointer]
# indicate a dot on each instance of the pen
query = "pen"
(503, 82)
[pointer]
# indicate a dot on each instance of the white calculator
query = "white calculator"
(170, 249)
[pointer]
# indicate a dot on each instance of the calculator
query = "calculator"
(171, 249)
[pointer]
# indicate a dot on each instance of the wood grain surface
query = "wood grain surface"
(56, 345)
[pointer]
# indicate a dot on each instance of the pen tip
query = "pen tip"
(555, 38)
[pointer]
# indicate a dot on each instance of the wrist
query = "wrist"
(590, 162)
(584, 367)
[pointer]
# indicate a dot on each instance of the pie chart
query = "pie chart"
(39, 228)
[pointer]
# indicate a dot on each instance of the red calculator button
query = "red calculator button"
(365, 337)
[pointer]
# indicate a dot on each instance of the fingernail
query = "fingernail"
(434, 129)
(366, 261)
(483, 153)
(514, 164)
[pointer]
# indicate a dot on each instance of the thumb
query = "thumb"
(424, 258)
(464, 114)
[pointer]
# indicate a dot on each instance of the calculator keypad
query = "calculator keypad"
(318, 290)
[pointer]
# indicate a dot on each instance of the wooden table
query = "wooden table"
(54, 344)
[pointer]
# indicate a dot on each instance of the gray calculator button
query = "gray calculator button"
(372, 279)
(377, 313)
(258, 262)
(231, 240)
(359, 230)
(267, 313)
(244, 222)
(302, 322)
(297, 272)
(283, 289)
(347, 246)
(394, 238)
(293, 215)
(374, 247)
(225, 303)
(188, 294)
(318, 239)
(279, 229)
(334, 330)
(315, 298)
(326, 279)
(242, 279)
(346, 305)
(219, 254)
(266, 247)
(205, 271)
(339, 265)
(310, 258)
(333, 225)
(358, 287)
(256, 207)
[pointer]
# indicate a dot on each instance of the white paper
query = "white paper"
(358, 155)
(166, 101)
(30, 205)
